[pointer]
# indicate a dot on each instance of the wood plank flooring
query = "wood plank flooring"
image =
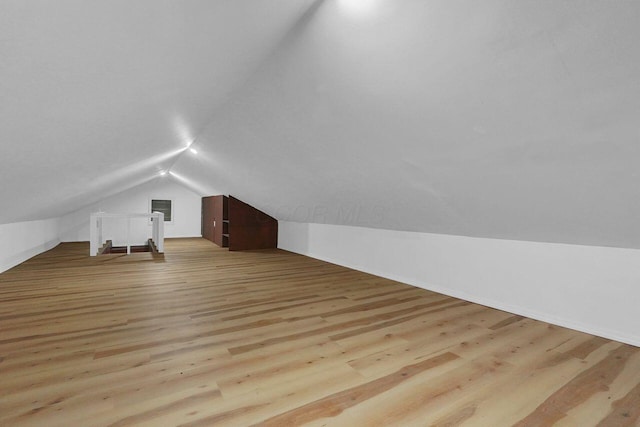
(207, 337)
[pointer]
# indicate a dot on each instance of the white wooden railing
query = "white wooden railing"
(96, 229)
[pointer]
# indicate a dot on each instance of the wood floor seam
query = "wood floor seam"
(208, 337)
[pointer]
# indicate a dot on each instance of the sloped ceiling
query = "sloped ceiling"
(99, 96)
(517, 120)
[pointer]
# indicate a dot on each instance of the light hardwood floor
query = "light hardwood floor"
(207, 337)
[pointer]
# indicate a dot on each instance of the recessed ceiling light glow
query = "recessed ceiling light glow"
(359, 8)
(193, 150)
(195, 186)
(163, 173)
(182, 130)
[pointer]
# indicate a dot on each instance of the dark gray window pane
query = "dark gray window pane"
(163, 206)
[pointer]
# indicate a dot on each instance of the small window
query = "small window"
(164, 206)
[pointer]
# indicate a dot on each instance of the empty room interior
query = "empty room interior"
(320, 213)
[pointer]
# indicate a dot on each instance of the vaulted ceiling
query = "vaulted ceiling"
(516, 120)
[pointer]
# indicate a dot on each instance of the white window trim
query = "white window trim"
(173, 209)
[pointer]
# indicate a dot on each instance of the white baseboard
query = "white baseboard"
(589, 289)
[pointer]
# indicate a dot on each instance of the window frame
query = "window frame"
(171, 208)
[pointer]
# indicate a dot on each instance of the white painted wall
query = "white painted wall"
(64, 98)
(186, 213)
(487, 119)
(588, 288)
(22, 240)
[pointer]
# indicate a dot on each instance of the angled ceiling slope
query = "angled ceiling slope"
(489, 119)
(98, 97)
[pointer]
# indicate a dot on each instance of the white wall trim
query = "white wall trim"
(500, 305)
(24, 240)
(593, 289)
(20, 257)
